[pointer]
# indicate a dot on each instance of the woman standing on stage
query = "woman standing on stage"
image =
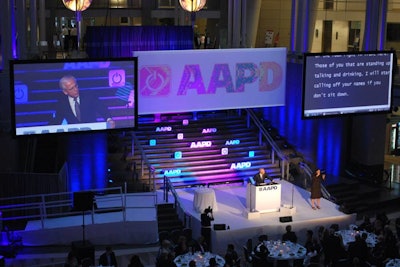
(316, 194)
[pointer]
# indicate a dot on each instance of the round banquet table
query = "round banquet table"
(349, 236)
(285, 250)
(393, 263)
(204, 197)
(201, 259)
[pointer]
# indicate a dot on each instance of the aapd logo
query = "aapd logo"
(155, 80)
(268, 188)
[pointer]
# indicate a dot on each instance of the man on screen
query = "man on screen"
(78, 107)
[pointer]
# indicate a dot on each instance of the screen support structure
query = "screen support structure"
(83, 228)
(251, 199)
(292, 196)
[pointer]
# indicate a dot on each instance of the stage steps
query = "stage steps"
(197, 167)
(121, 169)
(200, 148)
(167, 218)
(356, 196)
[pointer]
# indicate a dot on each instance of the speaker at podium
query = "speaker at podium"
(263, 198)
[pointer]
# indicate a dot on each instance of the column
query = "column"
(223, 24)
(147, 6)
(9, 52)
(252, 19)
(182, 16)
(33, 27)
(375, 25)
(303, 23)
(10, 157)
(235, 27)
(42, 23)
(8, 32)
(243, 24)
(21, 24)
(229, 25)
(368, 132)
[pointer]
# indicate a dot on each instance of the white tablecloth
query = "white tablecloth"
(285, 250)
(349, 236)
(201, 259)
(393, 263)
(204, 197)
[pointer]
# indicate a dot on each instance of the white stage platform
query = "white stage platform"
(231, 211)
(140, 225)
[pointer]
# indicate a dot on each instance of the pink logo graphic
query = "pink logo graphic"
(116, 78)
(271, 76)
(155, 80)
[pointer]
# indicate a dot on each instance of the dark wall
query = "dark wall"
(323, 142)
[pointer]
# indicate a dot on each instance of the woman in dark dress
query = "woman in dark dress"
(316, 194)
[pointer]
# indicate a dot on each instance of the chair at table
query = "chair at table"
(315, 261)
(282, 263)
(162, 235)
(237, 262)
(247, 256)
(187, 232)
(249, 244)
(342, 263)
(298, 263)
(261, 259)
(247, 251)
(86, 262)
(335, 227)
(175, 234)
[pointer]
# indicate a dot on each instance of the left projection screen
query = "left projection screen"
(105, 89)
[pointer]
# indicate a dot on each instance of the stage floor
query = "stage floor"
(111, 228)
(232, 211)
(137, 225)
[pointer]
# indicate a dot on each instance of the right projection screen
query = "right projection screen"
(337, 84)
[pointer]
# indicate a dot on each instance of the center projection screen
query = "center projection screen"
(201, 80)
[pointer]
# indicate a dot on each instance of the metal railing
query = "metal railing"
(183, 215)
(276, 152)
(46, 206)
(144, 163)
(308, 179)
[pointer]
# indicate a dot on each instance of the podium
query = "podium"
(263, 198)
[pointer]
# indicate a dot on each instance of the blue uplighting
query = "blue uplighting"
(87, 155)
(318, 140)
